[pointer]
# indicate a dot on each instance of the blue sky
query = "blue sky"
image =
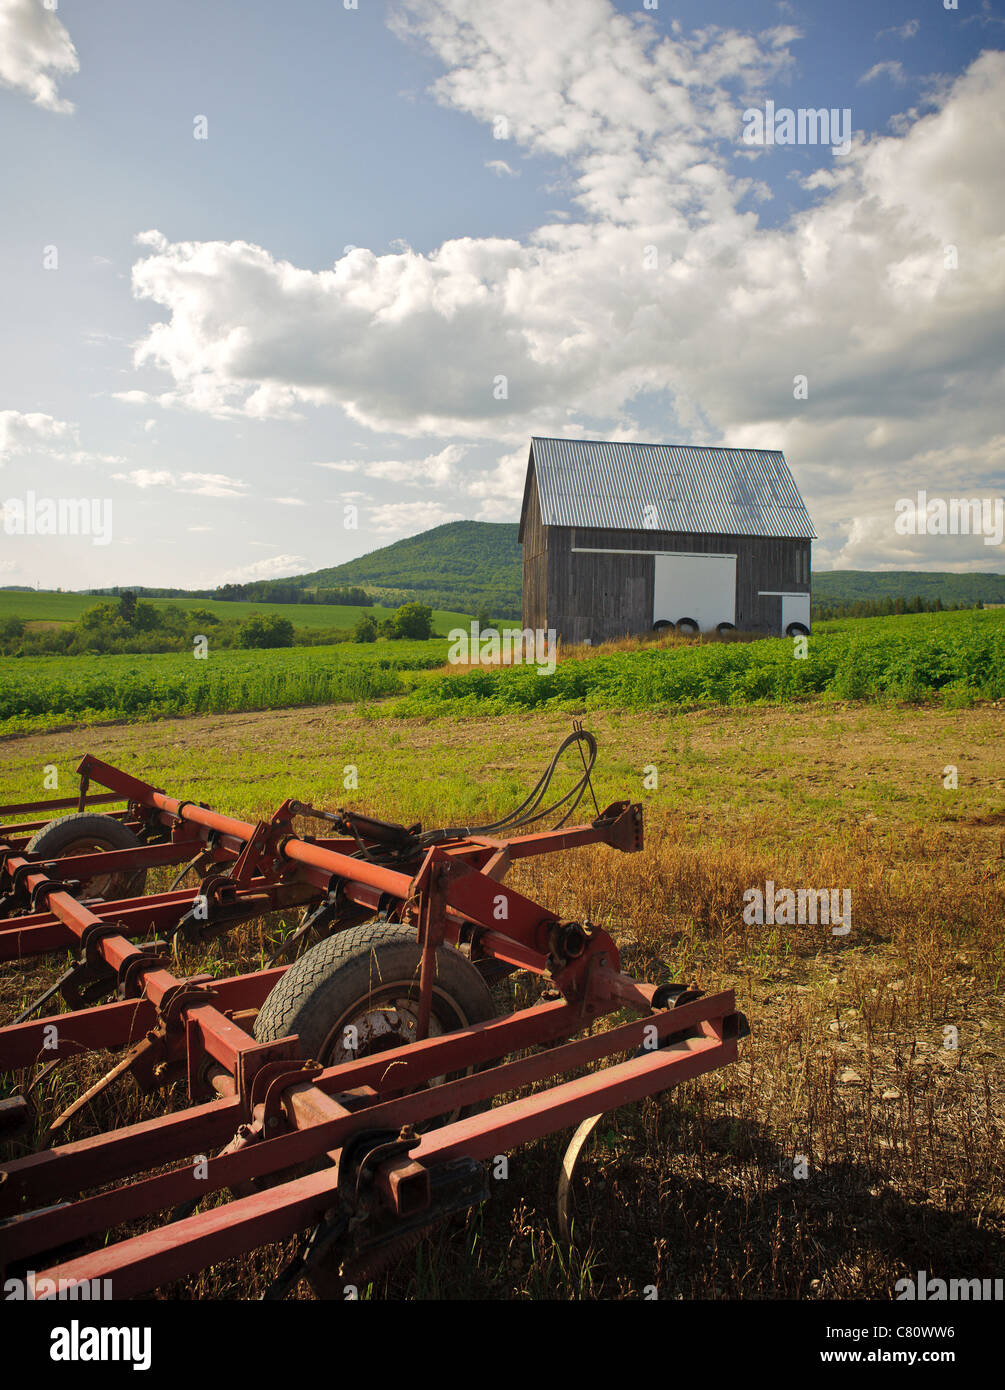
(620, 256)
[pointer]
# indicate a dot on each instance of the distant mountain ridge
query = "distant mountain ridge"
(851, 586)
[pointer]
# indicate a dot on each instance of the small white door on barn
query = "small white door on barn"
(796, 609)
(702, 587)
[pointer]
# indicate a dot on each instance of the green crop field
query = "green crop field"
(52, 691)
(955, 658)
(67, 608)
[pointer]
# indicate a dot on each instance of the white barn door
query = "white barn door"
(702, 587)
(796, 609)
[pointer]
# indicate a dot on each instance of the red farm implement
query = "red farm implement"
(347, 1095)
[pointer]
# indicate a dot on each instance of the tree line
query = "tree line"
(256, 591)
(129, 624)
(884, 607)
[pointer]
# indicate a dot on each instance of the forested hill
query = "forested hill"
(844, 587)
(465, 566)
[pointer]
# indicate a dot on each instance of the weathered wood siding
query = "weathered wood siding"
(599, 596)
(535, 561)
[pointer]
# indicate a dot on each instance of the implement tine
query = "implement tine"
(122, 1066)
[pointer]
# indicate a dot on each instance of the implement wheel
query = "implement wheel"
(357, 994)
(83, 832)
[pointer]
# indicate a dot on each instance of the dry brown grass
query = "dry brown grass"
(846, 1068)
(664, 640)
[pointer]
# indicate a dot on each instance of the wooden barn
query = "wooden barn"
(621, 538)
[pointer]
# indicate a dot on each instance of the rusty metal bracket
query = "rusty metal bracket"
(90, 939)
(223, 907)
(253, 851)
(186, 994)
(253, 1061)
(40, 893)
(16, 897)
(91, 976)
(153, 956)
(274, 1086)
(621, 823)
(357, 1163)
(162, 1062)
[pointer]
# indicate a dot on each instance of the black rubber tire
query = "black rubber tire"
(687, 625)
(661, 624)
(54, 839)
(725, 627)
(797, 630)
(335, 978)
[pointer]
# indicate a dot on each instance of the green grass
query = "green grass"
(67, 608)
(47, 692)
(956, 657)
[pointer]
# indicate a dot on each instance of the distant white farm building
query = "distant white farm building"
(621, 538)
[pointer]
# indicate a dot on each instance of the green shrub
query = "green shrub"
(265, 630)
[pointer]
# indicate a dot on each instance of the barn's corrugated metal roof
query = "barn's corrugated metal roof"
(733, 492)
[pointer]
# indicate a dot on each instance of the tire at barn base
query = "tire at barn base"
(797, 630)
(84, 828)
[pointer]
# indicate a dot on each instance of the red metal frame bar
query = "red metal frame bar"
(275, 1110)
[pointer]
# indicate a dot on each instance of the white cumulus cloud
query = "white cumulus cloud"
(201, 484)
(892, 68)
(276, 567)
(35, 433)
(22, 433)
(406, 518)
(35, 52)
(435, 470)
(887, 292)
